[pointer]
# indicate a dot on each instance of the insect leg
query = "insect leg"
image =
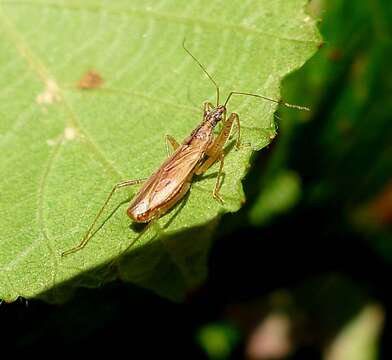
(216, 148)
(87, 236)
(171, 141)
(215, 152)
(237, 121)
(218, 182)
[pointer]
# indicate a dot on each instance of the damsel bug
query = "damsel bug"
(199, 151)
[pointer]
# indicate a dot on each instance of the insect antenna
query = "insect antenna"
(281, 102)
(205, 71)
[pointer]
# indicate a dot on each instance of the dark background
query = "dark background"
(319, 258)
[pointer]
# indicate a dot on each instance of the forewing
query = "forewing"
(173, 175)
(169, 178)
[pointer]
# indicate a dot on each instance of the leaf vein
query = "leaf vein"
(163, 16)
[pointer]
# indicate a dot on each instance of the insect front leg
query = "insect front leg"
(215, 152)
(87, 236)
(218, 183)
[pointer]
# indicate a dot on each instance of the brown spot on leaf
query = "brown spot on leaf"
(90, 80)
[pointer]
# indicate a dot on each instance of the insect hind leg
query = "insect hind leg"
(88, 234)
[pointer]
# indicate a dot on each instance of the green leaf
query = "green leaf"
(279, 195)
(359, 340)
(63, 148)
(218, 339)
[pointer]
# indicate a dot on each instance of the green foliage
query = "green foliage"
(277, 196)
(341, 149)
(359, 339)
(218, 340)
(63, 148)
(340, 153)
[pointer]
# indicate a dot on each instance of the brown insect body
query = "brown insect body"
(172, 180)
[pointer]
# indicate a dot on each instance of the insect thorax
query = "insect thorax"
(215, 115)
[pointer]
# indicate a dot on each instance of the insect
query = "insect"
(197, 153)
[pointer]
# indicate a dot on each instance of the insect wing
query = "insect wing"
(169, 178)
